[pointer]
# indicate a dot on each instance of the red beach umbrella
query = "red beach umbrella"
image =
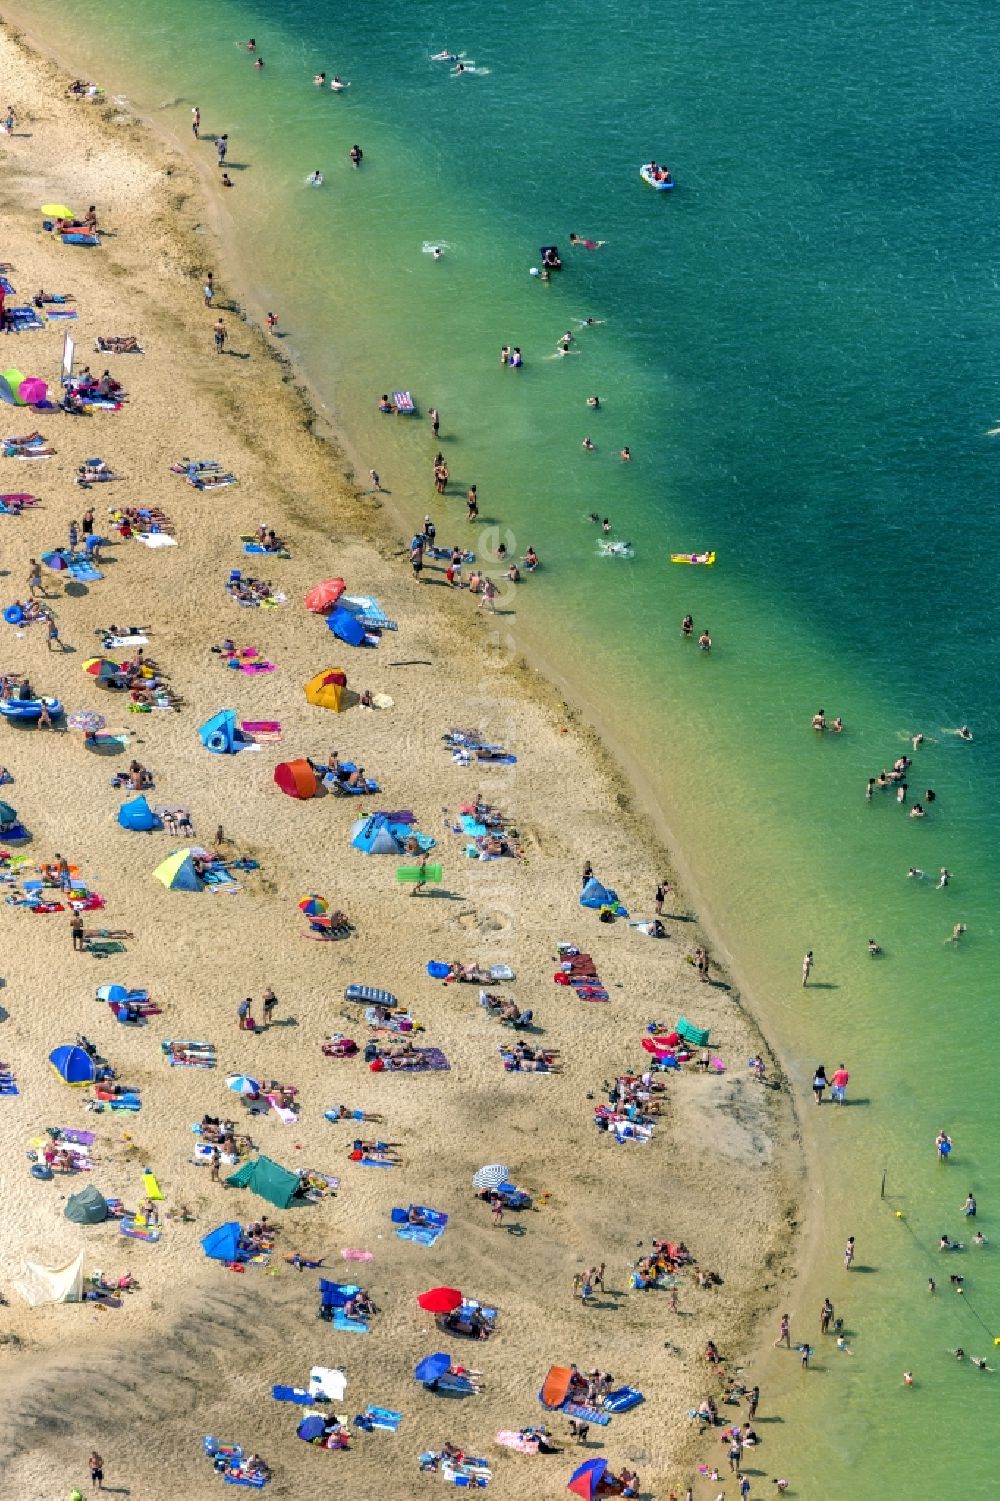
(440, 1300)
(322, 597)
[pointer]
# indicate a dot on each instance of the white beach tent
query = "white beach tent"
(40, 1284)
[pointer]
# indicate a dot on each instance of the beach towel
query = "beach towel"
(55, 314)
(261, 731)
(426, 1234)
(421, 1060)
(383, 1418)
(346, 1325)
(285, 1115)
(291, 1394)
(23, 318)
(517, 1441)
(129, 1227)
(350, 1254)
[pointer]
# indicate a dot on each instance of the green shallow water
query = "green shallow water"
(800, 347)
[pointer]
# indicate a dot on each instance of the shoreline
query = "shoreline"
(372, 529)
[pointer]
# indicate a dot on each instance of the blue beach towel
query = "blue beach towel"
(623, 1399)
(348, 1326)
(586, 1414)
(384, 1418)
(291, 1394)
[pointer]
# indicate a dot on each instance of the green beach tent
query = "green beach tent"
(267, 1179)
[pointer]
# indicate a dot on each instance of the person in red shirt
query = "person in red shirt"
(838, 1084)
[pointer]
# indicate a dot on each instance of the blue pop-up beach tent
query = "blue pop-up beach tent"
(346, 627)
(73, 1065)
(138, 816)
(220, 735)
(376, 836)
(595, 895)
(223, 1243)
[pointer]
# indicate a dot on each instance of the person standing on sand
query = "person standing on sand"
(35, 578)
(270, 1001)
(76, 929)
(825, 1315)
(221, 147)
(753, 1402)
(96, 1471)
(220, 335)
(195, 121)
(807, 965)
(209, 288)
(214, 1167)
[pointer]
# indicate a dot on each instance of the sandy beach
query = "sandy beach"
(197, 1349)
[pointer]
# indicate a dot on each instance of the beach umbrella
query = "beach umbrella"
(113, 993)
(101, 668)
(432, 1367)
(314, 906)
(243, 1084)
(32, 391)
(57, 211)
(87, 720)
(492, 1176)
(586, 1480)
(440, 1300)
(323, 596)
(55, 561)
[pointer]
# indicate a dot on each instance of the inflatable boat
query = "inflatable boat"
(649, 173)
(29, 708)
(694, 558)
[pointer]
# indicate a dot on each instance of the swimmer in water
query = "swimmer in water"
(606, 525)
(315, 179)
(979, 1363)
(586, 244)
(625, 456)
(964, 733)
(874, 947)
(588, 445)
(917, 740)
(687, 626)
(957, 932)
(337, 83)
(917, 875)
(357, 155)
(437, 252)
(907, 1378)
(259, 63)
(594, 401)
(319, 79)
(457, 70)
(251, 45)
(979, 1239)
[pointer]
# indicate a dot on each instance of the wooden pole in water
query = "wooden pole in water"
(882, 1189)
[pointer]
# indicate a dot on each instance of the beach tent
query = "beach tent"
(88, 1207)
(335, 1294)
(223, 1243)
(8, 816)
(220, 735)
(177, 872)
(586, 1480)
(138, 816)
(73, 1065)
(40, 1284)
(267, 1179)
(375, 836)
(595, 895)
(296, 779)
(346, 627)
(12, 381)
(326, 689)
(322, 597)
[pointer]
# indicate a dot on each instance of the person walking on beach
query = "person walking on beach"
(209, 288)
(753, 1402)
(76, 928)
(421, 880)
(784, 1332)
(488, 600)
(825, 1315)
(969, 1207)
(376, 482)
(838, 1084)
(96, 1471)
(849, 1253)
(662, 891)
(270, 1001)
(243, 1015)
(52, 635)
(472, 504)
(807, 965)
(417, 557)
(435, 417)
(35, 578)
(220, 336)
(221, 147)
(195, 121)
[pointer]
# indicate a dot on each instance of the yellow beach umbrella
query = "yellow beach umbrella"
(57, 211)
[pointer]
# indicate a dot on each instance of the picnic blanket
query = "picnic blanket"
(580, 972)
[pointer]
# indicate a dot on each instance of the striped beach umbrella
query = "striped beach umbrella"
(314, 906)
(243, 1084)
(101, 668)
(491, 1176)
(87, 720)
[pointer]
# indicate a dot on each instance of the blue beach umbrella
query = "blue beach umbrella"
(432, 1367)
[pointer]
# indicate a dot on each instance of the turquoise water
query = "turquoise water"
(800, 347)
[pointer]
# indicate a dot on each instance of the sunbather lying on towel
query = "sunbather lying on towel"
(523, 1059)
(341, 1113)
(118, 344)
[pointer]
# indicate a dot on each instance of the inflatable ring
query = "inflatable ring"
(13, 614)
(217, 742)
